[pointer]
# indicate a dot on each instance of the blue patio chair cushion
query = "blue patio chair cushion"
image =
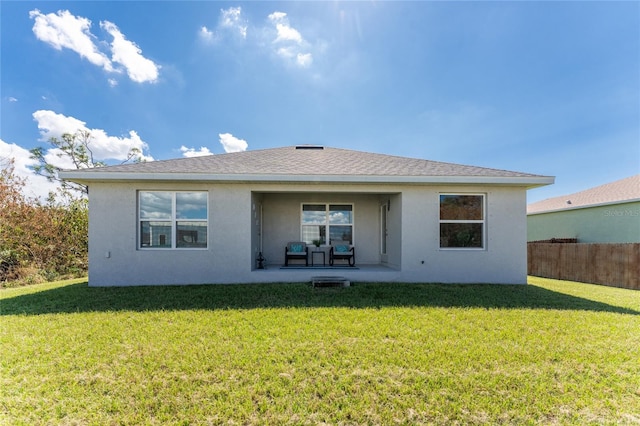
(296, 248)
(342, 249)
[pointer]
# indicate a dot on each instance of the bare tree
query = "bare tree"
(75, 148)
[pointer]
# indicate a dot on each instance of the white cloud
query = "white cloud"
(112, 82)
(127, 53)
(230, 22)
(12, 99)
(206, 34)
(304, 59)
(288, 42)
(232, 19)
(286, 33)
(286, 52)
(278, 35)
(191, 152)
(103, 146)
(66, 30)
(36, 186)
(55, 125)
(232, 144)
(277, 16)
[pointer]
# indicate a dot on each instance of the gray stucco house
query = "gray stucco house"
(608, 213)
(205, 220)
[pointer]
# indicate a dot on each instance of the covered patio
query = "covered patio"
(370, 222)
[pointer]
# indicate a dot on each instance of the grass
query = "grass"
(552, 352)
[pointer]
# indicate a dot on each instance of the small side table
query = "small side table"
(313, 252)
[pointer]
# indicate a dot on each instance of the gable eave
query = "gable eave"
(530, 181)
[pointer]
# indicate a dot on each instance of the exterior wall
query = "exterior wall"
(614, 223)
(114, 257)
(237, 232)
(504, 259)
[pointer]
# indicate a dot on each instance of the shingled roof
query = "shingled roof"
(621, 191)
(301, 163)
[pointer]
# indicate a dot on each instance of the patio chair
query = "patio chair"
(342, 250)
(296, 250)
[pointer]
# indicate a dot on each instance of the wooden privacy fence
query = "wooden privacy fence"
(616, 265)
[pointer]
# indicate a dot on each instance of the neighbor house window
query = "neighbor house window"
(462, 221)
(322, 221)
(173, 220)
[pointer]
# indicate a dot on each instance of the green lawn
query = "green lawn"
(552, 352)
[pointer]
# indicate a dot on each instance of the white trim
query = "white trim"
(173, 222)
(89, 176)
(326, 222)
(483, 221)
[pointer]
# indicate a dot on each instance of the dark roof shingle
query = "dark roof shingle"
(306, 161)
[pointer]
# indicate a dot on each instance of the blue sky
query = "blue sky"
(551, 88)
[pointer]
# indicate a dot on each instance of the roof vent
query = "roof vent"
(309, 147)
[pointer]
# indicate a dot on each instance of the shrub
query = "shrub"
(48, 241)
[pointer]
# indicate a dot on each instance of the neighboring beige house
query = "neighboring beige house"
(608, 213)
(207, 219)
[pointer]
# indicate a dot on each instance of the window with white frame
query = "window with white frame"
(172, 219)
(319, 221)
(462, 221)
